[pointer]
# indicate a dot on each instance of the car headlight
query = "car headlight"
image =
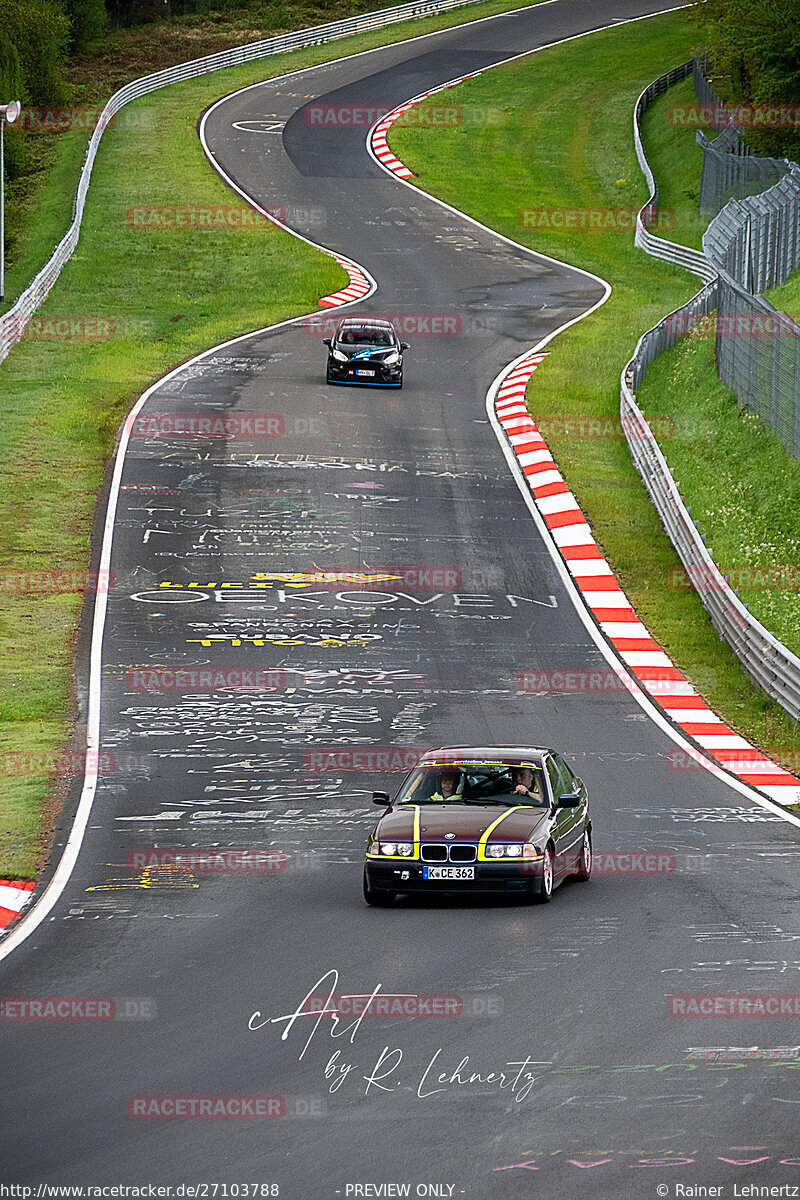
(337, 354)
(392, 358)
(512, 850)
(405, 849)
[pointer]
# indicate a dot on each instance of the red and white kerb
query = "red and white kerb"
(14, 895)
(380, 146)
(600, 589)
(357, 287)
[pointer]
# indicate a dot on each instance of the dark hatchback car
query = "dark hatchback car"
(365, 351)
(482, 819)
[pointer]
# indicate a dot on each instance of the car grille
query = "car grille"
(463, 852)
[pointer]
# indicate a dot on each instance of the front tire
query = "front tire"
(377, 899)
(584, 871)
(545, 894)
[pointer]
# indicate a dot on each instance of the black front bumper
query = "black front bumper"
(349, 373)
(497, 878)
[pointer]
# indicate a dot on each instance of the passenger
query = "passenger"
(448, 782)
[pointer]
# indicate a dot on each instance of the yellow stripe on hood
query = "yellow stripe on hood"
(485, 836)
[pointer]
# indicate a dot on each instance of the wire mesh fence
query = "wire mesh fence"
(731, 170)
(758, 357)
(757, 241)
(768, 662)
(754, 244)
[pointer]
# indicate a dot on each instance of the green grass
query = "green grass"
(39, 206)
(566, 143)
(742, 484)
(39, 203)
(677, 164)
(170, 293)
(786, 298)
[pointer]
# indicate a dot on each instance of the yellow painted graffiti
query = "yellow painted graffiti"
(296, 579)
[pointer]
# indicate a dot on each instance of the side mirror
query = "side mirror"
(404, 345)
(381, 798)
(569, 800)
(326, 341)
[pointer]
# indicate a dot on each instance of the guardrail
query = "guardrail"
(672, 252)
(12, 324)
(768, 662)
(771, 664)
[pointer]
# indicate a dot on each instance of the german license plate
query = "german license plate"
(370, 373)
(448, 872)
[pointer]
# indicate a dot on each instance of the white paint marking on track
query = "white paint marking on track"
(564, 528)
(50, 896)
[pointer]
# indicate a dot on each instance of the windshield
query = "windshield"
(365, 335)
(476, 783)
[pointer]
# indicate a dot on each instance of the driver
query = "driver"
(522, 783)
(448, 781)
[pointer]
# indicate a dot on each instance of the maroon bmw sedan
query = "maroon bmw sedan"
(467, 819)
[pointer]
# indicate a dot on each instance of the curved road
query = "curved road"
(611, 1096)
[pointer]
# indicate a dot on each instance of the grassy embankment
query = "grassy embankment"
(566, 144)
(170, 294)
(39, 202)
(742, 485)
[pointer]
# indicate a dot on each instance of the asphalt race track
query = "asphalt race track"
(610, 1096)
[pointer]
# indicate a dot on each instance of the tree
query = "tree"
(754, 47)
(11, 89)
(39, 32)
(88, 21)
(124, 13)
